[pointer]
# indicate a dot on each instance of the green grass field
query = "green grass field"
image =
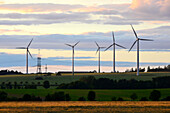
(67, 78)
(101, 95)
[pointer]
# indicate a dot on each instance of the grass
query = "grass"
(86, 107)
(67, 78)
(101, 95)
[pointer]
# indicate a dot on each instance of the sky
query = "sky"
(54, 23)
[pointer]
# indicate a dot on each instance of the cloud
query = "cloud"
(7, 30)
(149, 10)
(35, 19)
(125, 38)
(48, 7)
(52, 18)
(112, 14)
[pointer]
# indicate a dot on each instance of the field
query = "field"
(101, 95)
(85, 107)
(67, 78)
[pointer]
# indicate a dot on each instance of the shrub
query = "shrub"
(113, 98)
(134, 96)
(155, 95)
(39, 78)
(143, 99)
(67, 97)
(120, 99)
(27, 97)
(3, 96)
(91, 96)
(81, 99)
(57, 96)
(166, 99)
(46, 84)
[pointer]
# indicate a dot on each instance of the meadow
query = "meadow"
(67, 78)
(101, 95)
(86, 107)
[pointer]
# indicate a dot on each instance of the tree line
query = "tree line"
(105, 83)
(155, 95)
(9, 72)
(149, 69)
(25, 85)
(91, 82)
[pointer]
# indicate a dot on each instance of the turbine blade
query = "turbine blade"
(113, 36)
(132, 45)
(145, 39)
(76, 43)
(69, 45)
(108, 47)
(97, 44)
(120, 46)
(97, 50)
(134, 31)
(30, 54)
(21, 48)
(30, 43)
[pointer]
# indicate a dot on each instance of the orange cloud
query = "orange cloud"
(25, 8)
(137, 3)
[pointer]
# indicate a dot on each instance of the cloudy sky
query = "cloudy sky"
(53, 23)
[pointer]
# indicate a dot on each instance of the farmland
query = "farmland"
(86, 107)
(101, 95)
(67, 78)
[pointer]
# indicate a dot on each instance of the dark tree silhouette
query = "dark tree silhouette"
(46, 84)
(120, 99)
(143, 99)
(134, 96)
(81, 99)
(155, 95)
(3, 96)
(67, 97)
(91, 96)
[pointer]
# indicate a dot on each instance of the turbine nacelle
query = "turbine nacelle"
(72, 45)
(27, 48)
(98, 49)
(114, 44)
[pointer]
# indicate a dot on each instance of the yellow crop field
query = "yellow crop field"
(87, 107)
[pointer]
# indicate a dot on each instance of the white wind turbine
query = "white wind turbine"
(98, 50)
(73, 55)
(27, 52)
(114, 45)
(137, 41)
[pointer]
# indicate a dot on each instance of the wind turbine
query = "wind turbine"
(98, 50)
(72, 55)
(137, 41)
(27, 52)
(114, 44)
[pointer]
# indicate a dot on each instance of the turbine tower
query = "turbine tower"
(98, 50)
(39, 62)
(46, 68)
(72, 55)
(114, 45)
(27, 52)
(137, 41)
